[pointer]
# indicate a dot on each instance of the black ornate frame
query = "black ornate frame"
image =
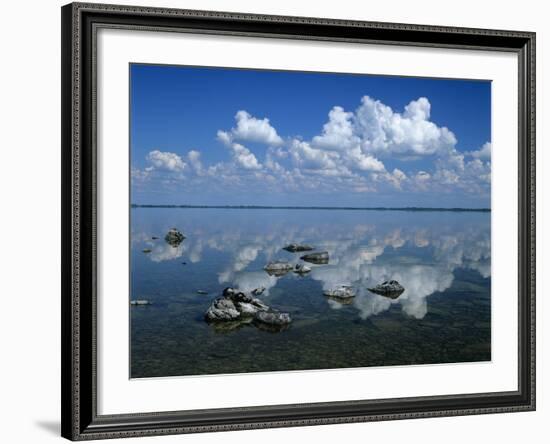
(80, 22)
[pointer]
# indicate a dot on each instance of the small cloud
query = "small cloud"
(251, 129)
(166, 161)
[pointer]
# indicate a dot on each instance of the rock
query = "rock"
(293, 248)
(146, 250)
(316, 258)
(238, 308)
(202, 292)
(140, 302)
(343, 292)
(154, 237)
(174, 237)
(258, 291)
(234, 305)
(222, 309)
(301, 269)
(391, 289)
(273, 317)
(278, 268)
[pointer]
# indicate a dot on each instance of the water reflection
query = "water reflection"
(422, 259)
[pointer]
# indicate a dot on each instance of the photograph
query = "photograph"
(294, 220)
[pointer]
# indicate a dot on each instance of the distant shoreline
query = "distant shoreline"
(262, 207)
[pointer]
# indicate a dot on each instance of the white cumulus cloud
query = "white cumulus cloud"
(167, 161)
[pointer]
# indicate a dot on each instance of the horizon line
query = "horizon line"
(314, 207)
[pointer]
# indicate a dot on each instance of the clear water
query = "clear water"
(443, 259)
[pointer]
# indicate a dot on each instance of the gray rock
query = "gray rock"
(316, 258)
(278, 268)
(258, 291)
(174, 237)
(301, 269)
(146, 250)
(234, 305)
(342, 292)
(273, 317)
(293, 248)
(391, 289)
(222, 309)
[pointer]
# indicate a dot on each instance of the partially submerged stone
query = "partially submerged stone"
(343, 292)
(316, 258)
(278, 268)
(236, 306)
(294, 248)
(391, 289)
(202, 292)
(174, 237)
(146, 250)
(301, 269)
(140, 302)
(273, 317)
(222, 309)
(258, 291)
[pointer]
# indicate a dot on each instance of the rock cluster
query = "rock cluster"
(235, 305)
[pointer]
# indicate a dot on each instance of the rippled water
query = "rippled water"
(443, 259)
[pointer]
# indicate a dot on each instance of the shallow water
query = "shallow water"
(443, 259)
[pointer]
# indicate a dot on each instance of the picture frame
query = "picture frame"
(80, 175)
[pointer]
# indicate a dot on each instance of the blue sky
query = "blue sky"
(235, 137)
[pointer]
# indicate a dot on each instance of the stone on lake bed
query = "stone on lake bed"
(316, 258)
(202, 292)
(140, 302)
(391, 289)
(272, 317)
(293, 248)
(146, 250)
(174, 237)
(342, 292)
(258, 291)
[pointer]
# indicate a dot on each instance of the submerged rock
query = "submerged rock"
(273, 317)
(174, 237)
(293, 248)
(154, 237)
(278, 268)
(301, 269)
(202, 292)
(258, 291)
(316, 258)
(140, 302)
(222, 309)
(146, 250)
(343, 292)
(391, 289)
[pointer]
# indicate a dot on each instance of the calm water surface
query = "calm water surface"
(443, 259)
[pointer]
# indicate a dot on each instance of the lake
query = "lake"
(442, 259)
